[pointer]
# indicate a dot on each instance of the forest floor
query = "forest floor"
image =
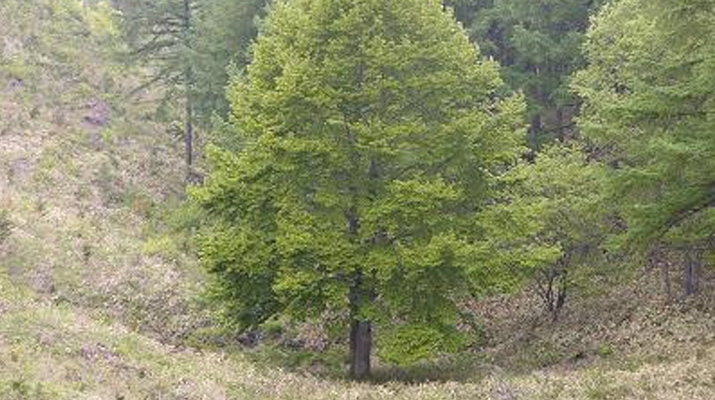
(99, 293)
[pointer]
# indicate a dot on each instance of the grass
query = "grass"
(79, 195)
(58, 352)
(97, 281)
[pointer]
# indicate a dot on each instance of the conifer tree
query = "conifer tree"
(160, 34)
(538, 44)
(373, 136)
(649, 107)
(189, 47)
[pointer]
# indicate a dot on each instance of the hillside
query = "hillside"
(58, 352)
(82, 169)
(97, 300)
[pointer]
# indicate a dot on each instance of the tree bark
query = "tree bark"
(666, 281)
(360, 349)
(692, 267)
(360, 329)
(188, 78)
(535, 129)
(189, 133)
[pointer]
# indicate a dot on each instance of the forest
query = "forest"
(357, 199)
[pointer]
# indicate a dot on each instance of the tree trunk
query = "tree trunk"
(665, 267)
(692, 267)
(561, 292)
(535, 129)
(360, 349)
(659, 258)
(189, 134)
(360, 329)
(552, 287)
(188, 78)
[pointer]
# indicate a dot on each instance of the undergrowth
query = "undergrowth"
(99, 286)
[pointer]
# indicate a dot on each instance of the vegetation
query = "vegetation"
(649, 111)
(413, 199)
(351, 197)
(538, 43)
(189, 48)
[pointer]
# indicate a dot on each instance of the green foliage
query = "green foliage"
(191, 53)
(159, 35)
(223, 32)
(411, 343)
(373, 139)
(163, 246)
(102, 21)
(550, 226)
(568, 188)
(649, 109)
(174, 225)
(567, 191)
(538, 44)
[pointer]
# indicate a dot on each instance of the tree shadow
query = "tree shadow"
(462, 368)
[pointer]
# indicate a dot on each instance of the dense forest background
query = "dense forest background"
(259, 199)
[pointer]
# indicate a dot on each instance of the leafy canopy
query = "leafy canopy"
(650, 108)
(538, 43)
(372, 139)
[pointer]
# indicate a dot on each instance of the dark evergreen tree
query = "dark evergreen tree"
(538, 44)
(188, 47)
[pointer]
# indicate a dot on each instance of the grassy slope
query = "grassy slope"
(82, 171)
(58, 352)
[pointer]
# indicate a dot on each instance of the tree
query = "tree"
(223, 31)
(190, 47)
(562, 193)
(160, 33)
(372, 137)
(538, 44)
(649, 103)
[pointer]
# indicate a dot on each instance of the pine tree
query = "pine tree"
(160, 34)
(649, 106)
(372, 137)
(538, 44)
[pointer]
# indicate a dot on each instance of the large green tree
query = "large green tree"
(372, 137)
(649, 109)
